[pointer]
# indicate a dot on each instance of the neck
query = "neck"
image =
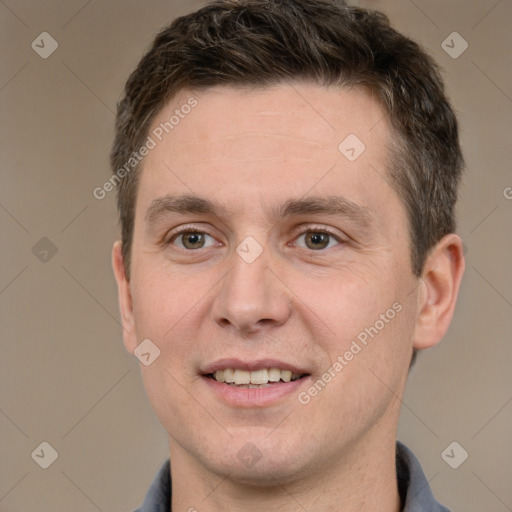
(363, 478)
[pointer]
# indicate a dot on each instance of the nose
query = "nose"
(251, 296)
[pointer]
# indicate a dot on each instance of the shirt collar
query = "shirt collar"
(414, 488)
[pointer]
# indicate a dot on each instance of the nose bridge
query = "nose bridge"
(247, 280)
(250, 294)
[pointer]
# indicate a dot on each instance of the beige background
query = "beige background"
(65, 377)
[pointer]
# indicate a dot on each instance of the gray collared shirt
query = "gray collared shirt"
(414, 489)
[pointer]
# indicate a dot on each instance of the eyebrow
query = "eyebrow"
(326, 205)
(183, 204)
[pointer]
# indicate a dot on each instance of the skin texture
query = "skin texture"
(251, 151)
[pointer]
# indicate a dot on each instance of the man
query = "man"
(287, 177)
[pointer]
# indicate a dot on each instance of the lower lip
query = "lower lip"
(254, 397)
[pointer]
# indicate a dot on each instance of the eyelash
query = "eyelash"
(186, 229)
(318, 229)
(310, 229)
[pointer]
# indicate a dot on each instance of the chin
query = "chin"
(269, 473)
(260, 463)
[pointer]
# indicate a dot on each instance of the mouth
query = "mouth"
(247, 384)
(261, 378)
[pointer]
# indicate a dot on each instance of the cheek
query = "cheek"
(367, 315)
(161, 298)
(164, 308)
(345, 299)
(368, 362)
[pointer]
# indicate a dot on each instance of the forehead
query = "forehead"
(292, 114)
(253, 146)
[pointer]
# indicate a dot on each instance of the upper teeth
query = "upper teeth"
(255, 377)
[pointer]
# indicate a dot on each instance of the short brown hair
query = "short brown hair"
(260, 43)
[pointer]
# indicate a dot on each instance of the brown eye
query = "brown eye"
(317, 240)
(190, 240)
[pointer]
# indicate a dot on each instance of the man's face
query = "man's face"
(333, 278)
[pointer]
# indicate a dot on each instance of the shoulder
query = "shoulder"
(158, 497)
(413, 485)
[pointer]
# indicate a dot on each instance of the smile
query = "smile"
(254, 379)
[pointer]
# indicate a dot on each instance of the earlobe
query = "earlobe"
(440, 285)
(125, 298)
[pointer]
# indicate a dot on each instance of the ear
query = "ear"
(125, 298)
(440, 284)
